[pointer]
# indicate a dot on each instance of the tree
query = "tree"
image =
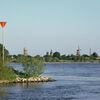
(31, 68)
(63, 57)
(68, 57)
(47, 54)
(55, 59)
(94, 54)
(6, 52)
(20, 55)
(14, 56)
(56, 54)
(85, 55)
(48, 59)
(37, 57)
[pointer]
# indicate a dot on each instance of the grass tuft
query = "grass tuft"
(6, 73)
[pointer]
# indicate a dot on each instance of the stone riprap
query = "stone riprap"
(31, 79)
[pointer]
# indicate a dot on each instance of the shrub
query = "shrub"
(33, 69)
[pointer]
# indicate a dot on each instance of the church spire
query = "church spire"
(51, 53)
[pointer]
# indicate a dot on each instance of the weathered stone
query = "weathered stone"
(31, 79)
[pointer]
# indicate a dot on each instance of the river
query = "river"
(75, 81)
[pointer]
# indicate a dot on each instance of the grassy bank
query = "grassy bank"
(6, 73)
(31, 69)
(10, 75)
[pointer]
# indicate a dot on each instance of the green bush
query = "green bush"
(22, 75)
(33, 69)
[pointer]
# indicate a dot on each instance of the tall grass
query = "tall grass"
(6, 73)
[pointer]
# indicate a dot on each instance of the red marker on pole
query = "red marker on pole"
(3, 25)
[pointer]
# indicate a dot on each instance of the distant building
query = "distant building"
(78, 52)
(51, 53)
(25, 51)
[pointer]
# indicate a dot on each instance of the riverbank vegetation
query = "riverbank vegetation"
(57, 57)
(6, 73)
(31, 68)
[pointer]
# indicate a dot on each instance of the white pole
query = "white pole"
(3, 44)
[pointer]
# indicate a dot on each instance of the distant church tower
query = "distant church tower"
(25, 51)
(78, 51)
(51, 53)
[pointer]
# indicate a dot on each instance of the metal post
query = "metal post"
(3, 25)
(3, 44)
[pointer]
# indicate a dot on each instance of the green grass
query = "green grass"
(30, 70)
(6, 73)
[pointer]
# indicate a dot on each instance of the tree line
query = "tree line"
(82, 58)
(56, 57)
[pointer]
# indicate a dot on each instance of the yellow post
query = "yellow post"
(3, 44)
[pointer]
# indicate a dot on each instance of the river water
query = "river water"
(75, 81)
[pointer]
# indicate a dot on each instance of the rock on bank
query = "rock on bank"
(31, 79)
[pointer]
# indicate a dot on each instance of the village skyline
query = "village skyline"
(51, 52)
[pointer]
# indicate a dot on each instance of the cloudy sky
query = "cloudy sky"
(42, 25)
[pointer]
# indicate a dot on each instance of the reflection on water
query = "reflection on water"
(3, 93)
(30, 85)
(24, 85)
(13, 91)
(75, 81)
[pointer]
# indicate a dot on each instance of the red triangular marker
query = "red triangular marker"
(3, 24)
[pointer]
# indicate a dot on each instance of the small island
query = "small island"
(32, 69)
(31, 74)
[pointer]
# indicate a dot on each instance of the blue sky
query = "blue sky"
(42, 25)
